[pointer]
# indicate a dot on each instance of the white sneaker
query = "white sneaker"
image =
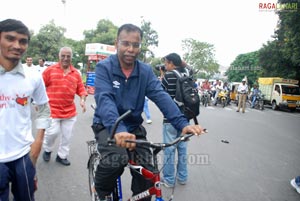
(149, 121)
(181, 182)
(295, 185)
(168, 185)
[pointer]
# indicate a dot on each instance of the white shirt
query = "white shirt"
(17, 88)
(40, 69)
(32, 66)
(243, 88)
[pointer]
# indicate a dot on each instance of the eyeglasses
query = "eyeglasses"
(128, 44)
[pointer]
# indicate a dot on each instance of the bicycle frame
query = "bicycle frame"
(153, 176)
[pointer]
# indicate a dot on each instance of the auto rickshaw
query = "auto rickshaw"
(233, 90)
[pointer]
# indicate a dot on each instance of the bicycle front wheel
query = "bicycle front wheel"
(92, 167)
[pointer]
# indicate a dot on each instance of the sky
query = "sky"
(233, 27)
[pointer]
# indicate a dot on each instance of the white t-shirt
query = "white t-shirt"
(32, 67)
(17, 88)
(40, 69)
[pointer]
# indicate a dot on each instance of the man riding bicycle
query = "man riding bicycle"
(121, 83)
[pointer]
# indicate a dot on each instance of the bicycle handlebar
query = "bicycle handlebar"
(123, 116)
(182, 138)
(146, 143)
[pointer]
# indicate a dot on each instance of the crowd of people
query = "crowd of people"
(122, 83)
(242, 93)
(52, 91)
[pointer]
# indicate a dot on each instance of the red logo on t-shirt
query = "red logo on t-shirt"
(22, 101)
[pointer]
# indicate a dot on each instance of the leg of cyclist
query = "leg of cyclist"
(141, 156)
(111, 166)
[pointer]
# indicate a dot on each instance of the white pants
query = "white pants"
(62, 128)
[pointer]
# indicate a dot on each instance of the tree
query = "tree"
(46, 43)
(150, 39)
(244, 65)
(200, 56)
(104, 33)
(281, 57)
(288, 33)
(273, 62)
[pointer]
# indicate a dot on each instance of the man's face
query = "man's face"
(65, 58)
(13, 45)
(128, 47)
(41, 62)
(29, 61)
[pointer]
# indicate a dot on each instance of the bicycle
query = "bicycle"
(154, 176)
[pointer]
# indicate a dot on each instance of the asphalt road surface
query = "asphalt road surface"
(257, 163)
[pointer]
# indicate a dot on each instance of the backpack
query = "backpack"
(186, 95)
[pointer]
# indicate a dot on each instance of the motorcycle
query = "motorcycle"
(259, 101)
(205, 97)
(223, 98)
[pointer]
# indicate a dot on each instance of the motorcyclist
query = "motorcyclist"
(254, 93)
(218, 89)
(227, 90)
(205, 86)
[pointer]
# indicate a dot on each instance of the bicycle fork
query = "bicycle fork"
(154, 177)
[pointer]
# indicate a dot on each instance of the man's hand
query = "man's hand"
(82, 104)
(36, 146)
(121, 137)
(194, 129)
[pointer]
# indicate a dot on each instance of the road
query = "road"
(256, 165)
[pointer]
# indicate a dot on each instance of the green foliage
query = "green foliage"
(273, 62)
(289, 33)
(244, 65)
(104, 33)
(46, 43)
(150, 39)
(281, 57)
(200, 56)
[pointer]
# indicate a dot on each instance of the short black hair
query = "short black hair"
(130, 28)
(175, 58)
(14, 25)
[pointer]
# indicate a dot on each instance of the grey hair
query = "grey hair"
(66, 48)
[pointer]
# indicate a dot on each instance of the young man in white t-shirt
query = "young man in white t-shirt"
(19, 150)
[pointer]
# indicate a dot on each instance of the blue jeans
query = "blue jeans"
(146, 109)
(253, 101)
(169, 134)
(21, 174)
